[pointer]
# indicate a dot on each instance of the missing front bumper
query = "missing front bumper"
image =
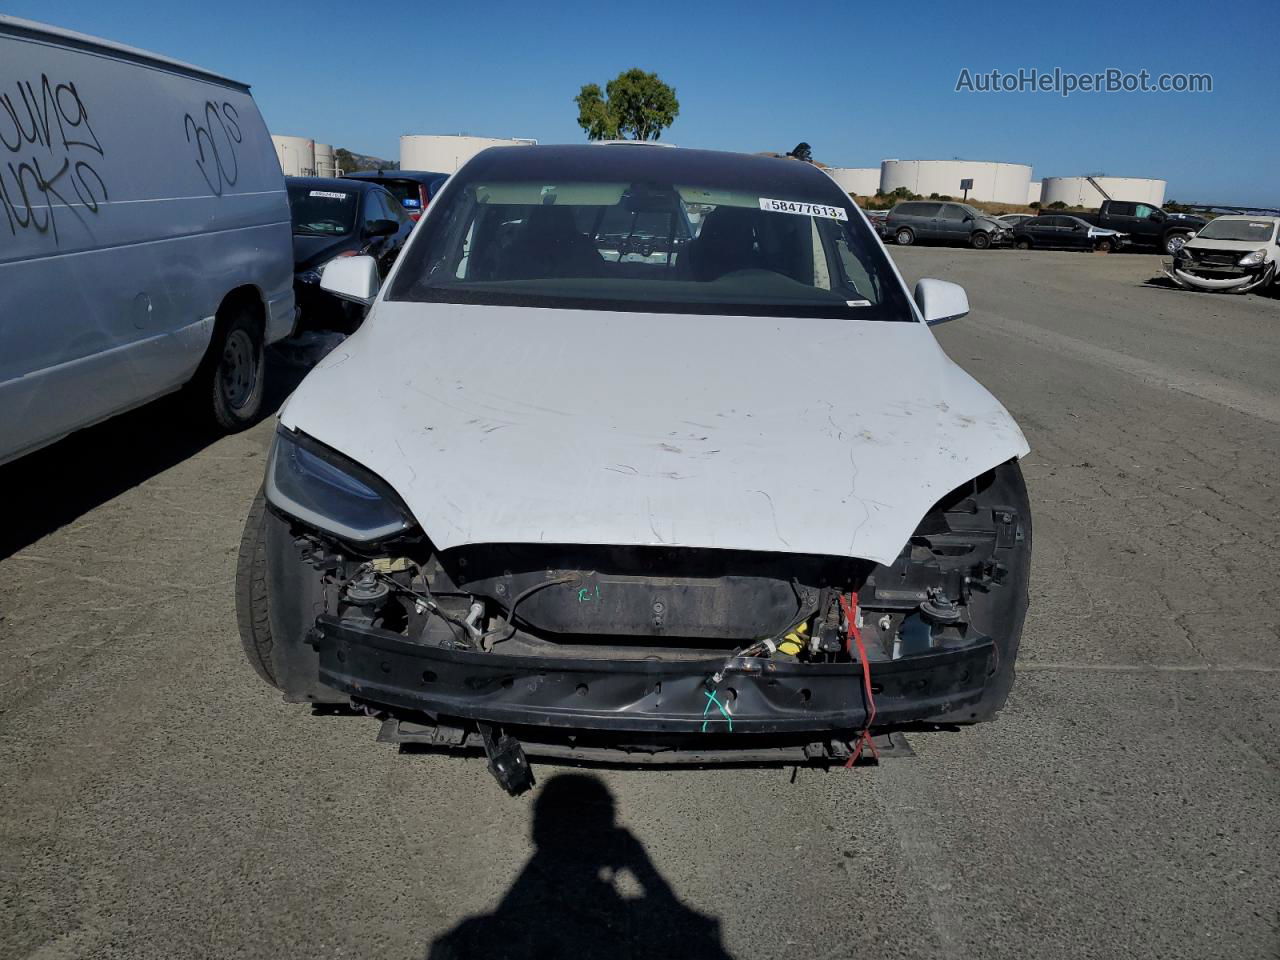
(650, 696)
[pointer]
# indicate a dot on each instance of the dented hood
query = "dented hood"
(527, 425)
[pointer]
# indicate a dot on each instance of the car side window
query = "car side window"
(1121, 209)
(951, 212)
(1144, 211)
(926, 209)
(395, 209)
(372, 208)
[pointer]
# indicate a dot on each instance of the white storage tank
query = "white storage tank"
(445, 153)
(1088, 191)
(861, 181)
(297, 155)
(326, 166)
(998, 182)
(1033, 191)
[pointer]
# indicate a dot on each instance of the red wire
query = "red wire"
(850, 607)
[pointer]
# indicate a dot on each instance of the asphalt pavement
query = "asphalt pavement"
(158, 801)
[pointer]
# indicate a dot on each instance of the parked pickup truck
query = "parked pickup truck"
(1146, 225)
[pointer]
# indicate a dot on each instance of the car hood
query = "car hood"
(310, 252)
(1234, 246)
(527, 425)
(994, 224)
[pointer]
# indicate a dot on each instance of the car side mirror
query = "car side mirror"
(968, 217)
(940, 301)
(352, 278)
(381, 228)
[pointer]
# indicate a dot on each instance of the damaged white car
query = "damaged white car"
(729, 501)
(1229, 254)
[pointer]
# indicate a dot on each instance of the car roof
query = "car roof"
(334, 183)
(648, 161)
(32, 29)
(421, 176)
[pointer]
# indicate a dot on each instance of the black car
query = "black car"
(339, 218)
(413, 188)
(1065, 232)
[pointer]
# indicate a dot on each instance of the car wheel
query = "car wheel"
(1022, 243)
(1174, 242)
(252, 616)
(980, 240)
(229, 386)
(1105, 246)
(904, 237)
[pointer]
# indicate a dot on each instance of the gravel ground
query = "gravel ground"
(158, 801)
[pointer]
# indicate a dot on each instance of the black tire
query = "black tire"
(229, 386)
(1173, 242)
(1022, 243)
(1105, 246)
(904, 236)
(980, 240)
(252, 614)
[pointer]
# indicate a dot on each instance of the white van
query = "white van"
(145, 241)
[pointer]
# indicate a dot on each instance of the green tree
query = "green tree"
(634, 106)
(345, 162)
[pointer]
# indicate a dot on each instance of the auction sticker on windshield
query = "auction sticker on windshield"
(804, 209)
(328, 194)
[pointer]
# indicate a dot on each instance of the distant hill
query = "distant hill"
(349, 161)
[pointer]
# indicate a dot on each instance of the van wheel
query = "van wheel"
(230, 383)
(1174, 242)
(252, 616)
(904, 237)
(980, 240)
(1023, 244)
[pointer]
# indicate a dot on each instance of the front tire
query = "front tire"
(229, 385)
(980, 240)
(904, 237)
(1022, 244)
(1175, 242)
(253, 617)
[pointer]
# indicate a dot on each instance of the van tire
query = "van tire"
(904, 237)
(980, 240)
(253, 616)
(229, 385)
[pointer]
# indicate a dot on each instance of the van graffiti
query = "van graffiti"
(50, 146)
(220, 133)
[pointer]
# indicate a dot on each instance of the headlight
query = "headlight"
(319, 486)
(1253, 259)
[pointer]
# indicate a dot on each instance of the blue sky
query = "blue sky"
(859, 81)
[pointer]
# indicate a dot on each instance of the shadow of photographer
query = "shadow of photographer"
(589, 890)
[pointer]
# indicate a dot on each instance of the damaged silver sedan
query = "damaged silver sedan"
(720, 499)
(1229, 255)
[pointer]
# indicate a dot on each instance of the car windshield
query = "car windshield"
(661, 240)
(322, 211)
(1251, 231)
(971, 211)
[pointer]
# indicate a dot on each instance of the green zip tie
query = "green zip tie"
(711, 698)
